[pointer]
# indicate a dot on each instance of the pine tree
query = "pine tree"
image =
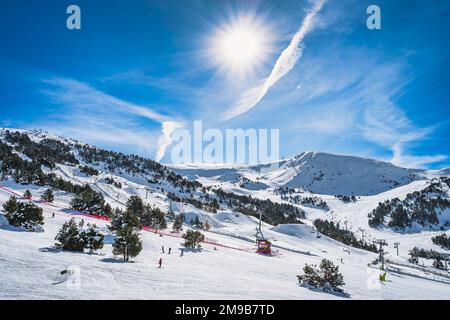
(158, 219)
(178, 223)
(310, 277)
(88, 201)
(48, 196)
(399, 218)
(127, 244)
(146, 217)
(437, 263)
(135, 205)
(11, 206)
(123, 219)
(25, 215)
(331, 275)
(92, 238)
(27, 194)
(69, 236)
(107, 210)
(125, 225)
(192, 239)
(442, 240)
(414, 258)
(326, 277)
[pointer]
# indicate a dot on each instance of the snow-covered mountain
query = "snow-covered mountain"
(316, 172)
(227, 266)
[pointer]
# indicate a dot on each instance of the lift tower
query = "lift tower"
(381, 243)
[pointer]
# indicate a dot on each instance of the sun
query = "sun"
(240, 46)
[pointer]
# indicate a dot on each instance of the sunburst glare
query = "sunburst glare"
(240, 46)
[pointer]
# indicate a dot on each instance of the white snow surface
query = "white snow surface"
(31, 266)
(227, 267)
(317, 172)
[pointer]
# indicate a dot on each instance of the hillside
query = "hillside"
(315, 172)
(228, 266)
(32, 267)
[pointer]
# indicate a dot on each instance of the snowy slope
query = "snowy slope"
(30, 267)
(316, 172)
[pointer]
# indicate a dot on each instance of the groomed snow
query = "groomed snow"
(31, 266)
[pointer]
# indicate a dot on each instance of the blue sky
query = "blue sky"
(138, 68)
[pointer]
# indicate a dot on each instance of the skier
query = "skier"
(182, 252)
(170, 250)
(53, 214)
(162, 248)
(160, 262)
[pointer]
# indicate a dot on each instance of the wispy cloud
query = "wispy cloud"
(284, 64)
(348, 103)
(93, 115)
(413, 161)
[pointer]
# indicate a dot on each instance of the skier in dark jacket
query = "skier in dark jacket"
(160, 262)
(162, 249)
(170, 250)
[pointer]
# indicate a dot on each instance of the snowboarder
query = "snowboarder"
(170, 250)
(160, 262)
(383, 277)
(162, 248)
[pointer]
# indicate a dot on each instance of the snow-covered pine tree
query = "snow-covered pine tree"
(437, 263)
(413, 257)
(48, 196)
